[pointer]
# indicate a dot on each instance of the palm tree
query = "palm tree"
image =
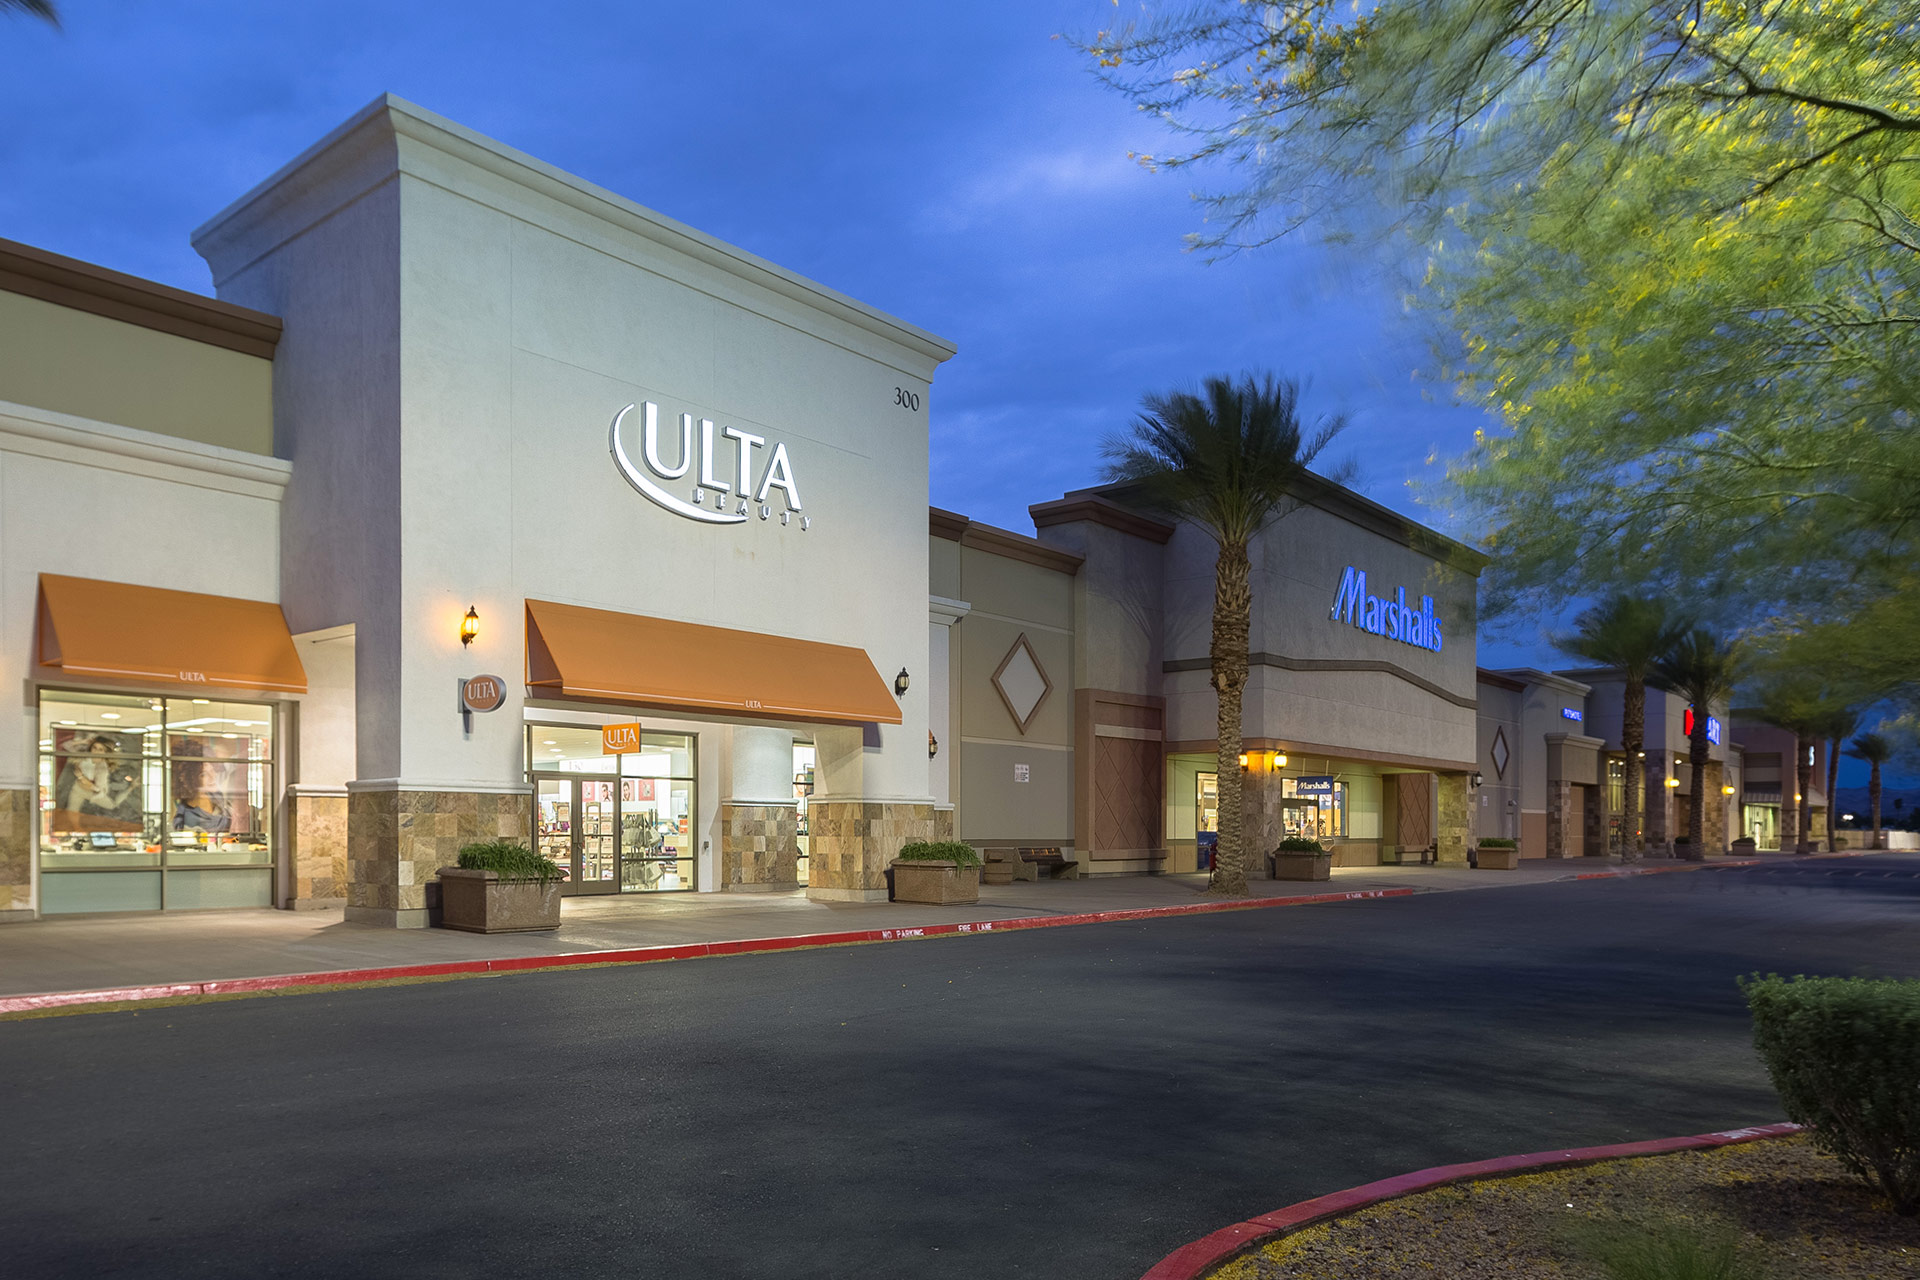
(1836, 723)
(1874, 749)
(1702, 668)
(43, 9)
(1628, 632)
(1225, 459)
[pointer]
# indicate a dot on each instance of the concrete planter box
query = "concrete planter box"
(481, 902)
(1496, 859)
(1303, 866)
(937, 882)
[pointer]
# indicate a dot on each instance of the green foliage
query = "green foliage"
(1499, 842)
(1874, 748)
(1700, 667)
(1675, 246)
(1226, 458)
(1844, 1056)
(509, 861)
(1661, 1250)
(1299, 844)
(953, 851)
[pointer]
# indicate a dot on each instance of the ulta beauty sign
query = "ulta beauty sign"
(732, 495)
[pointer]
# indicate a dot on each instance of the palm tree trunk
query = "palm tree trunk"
(1803, 783)
(1232, 619)
(1633, 729)
(1697, 802)
(1873, 798)
(1833, 805)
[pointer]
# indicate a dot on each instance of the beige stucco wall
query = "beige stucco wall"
(1009, 598)
(78, 363)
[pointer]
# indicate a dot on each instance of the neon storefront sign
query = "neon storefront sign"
(1389, 617)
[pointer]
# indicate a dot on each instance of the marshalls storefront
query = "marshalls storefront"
(484, 503)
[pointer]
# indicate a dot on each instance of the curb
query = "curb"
(60, 1001)
(1191, 1261)
(1718, 863)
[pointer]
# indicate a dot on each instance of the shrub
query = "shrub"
(1661, 1251)
(1844, 1055)
(1499, 842)
(1299, 844)
(509, 861)
(954, 851)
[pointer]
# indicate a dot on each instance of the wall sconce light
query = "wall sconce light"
(469, 627)
(1673, 782)
(1796, 797)
(1641, 754)
(1276, 760)
(1726, 791)
(1243, 762)
(1478, 778)
(900, 683)
(933, 745)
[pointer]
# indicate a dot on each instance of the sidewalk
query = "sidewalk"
(99, 952)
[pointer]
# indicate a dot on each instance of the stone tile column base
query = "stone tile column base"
(850, 843)
(1560, 817)
(1450, 834)
(759, 847)
(19, 841)
(398, 838)
(317, 846)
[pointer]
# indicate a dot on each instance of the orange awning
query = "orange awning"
(622, 657)
(177, 639)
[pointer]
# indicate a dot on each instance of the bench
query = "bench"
(1026, 864)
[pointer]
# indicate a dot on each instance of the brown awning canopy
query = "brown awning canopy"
(175, 639)
(622, 657)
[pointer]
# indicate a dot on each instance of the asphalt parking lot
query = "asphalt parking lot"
(1062, 1103)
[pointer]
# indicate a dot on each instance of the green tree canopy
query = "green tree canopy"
(1676, 245)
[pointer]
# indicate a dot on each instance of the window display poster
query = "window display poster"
(97, 785)
(209, 777)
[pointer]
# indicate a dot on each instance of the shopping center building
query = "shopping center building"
(484, 504)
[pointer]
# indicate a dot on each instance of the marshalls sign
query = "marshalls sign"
(1390, 617)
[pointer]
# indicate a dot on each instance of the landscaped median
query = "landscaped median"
(1760, 1202)
(233, 988)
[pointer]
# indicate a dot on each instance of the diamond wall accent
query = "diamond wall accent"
(1022, 683)
(1499, 753)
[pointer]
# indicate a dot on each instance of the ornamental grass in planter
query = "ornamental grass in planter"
(1299, 858)
(500, 887)
(936, 871)
(1497, 853)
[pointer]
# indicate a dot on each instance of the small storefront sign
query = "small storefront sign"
(483, 693)
(1713, 726)
(619, 739)
(1315, 785)
(1571, 713)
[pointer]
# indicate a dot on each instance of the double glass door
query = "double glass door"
(579, 829)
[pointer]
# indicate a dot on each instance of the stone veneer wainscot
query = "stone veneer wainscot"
(398, 839)
(18, 814)
(850, 843)
(759, 847)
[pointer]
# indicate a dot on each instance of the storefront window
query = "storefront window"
(1206, 802)
(803, 763)
(1760, 823)
(151, 803)
(1313, 808)
(615, 823)
(1616, 802)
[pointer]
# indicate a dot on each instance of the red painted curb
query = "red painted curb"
(1191, 1261)
(648, 955)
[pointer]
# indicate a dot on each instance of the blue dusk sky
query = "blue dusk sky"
(955, 165)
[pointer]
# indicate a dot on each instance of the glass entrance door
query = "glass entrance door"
(577, 828)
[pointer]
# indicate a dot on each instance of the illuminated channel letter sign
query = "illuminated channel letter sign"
(1390, 617)
(733, 495)
(1713, 726)
(1313, 785)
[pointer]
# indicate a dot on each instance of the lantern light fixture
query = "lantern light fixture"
(1243, 762)
(1726, 791)
(1276, 759)
(469, 627)
(1673, 782)
(900, 683)
(933, 745)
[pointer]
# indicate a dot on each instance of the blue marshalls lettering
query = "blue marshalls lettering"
(1391, 617)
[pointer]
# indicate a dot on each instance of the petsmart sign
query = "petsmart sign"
(1391, 616)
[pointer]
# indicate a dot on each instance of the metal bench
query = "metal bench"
(1027, 864)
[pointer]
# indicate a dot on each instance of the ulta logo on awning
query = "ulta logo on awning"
(1391, 617)
(734, 497)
